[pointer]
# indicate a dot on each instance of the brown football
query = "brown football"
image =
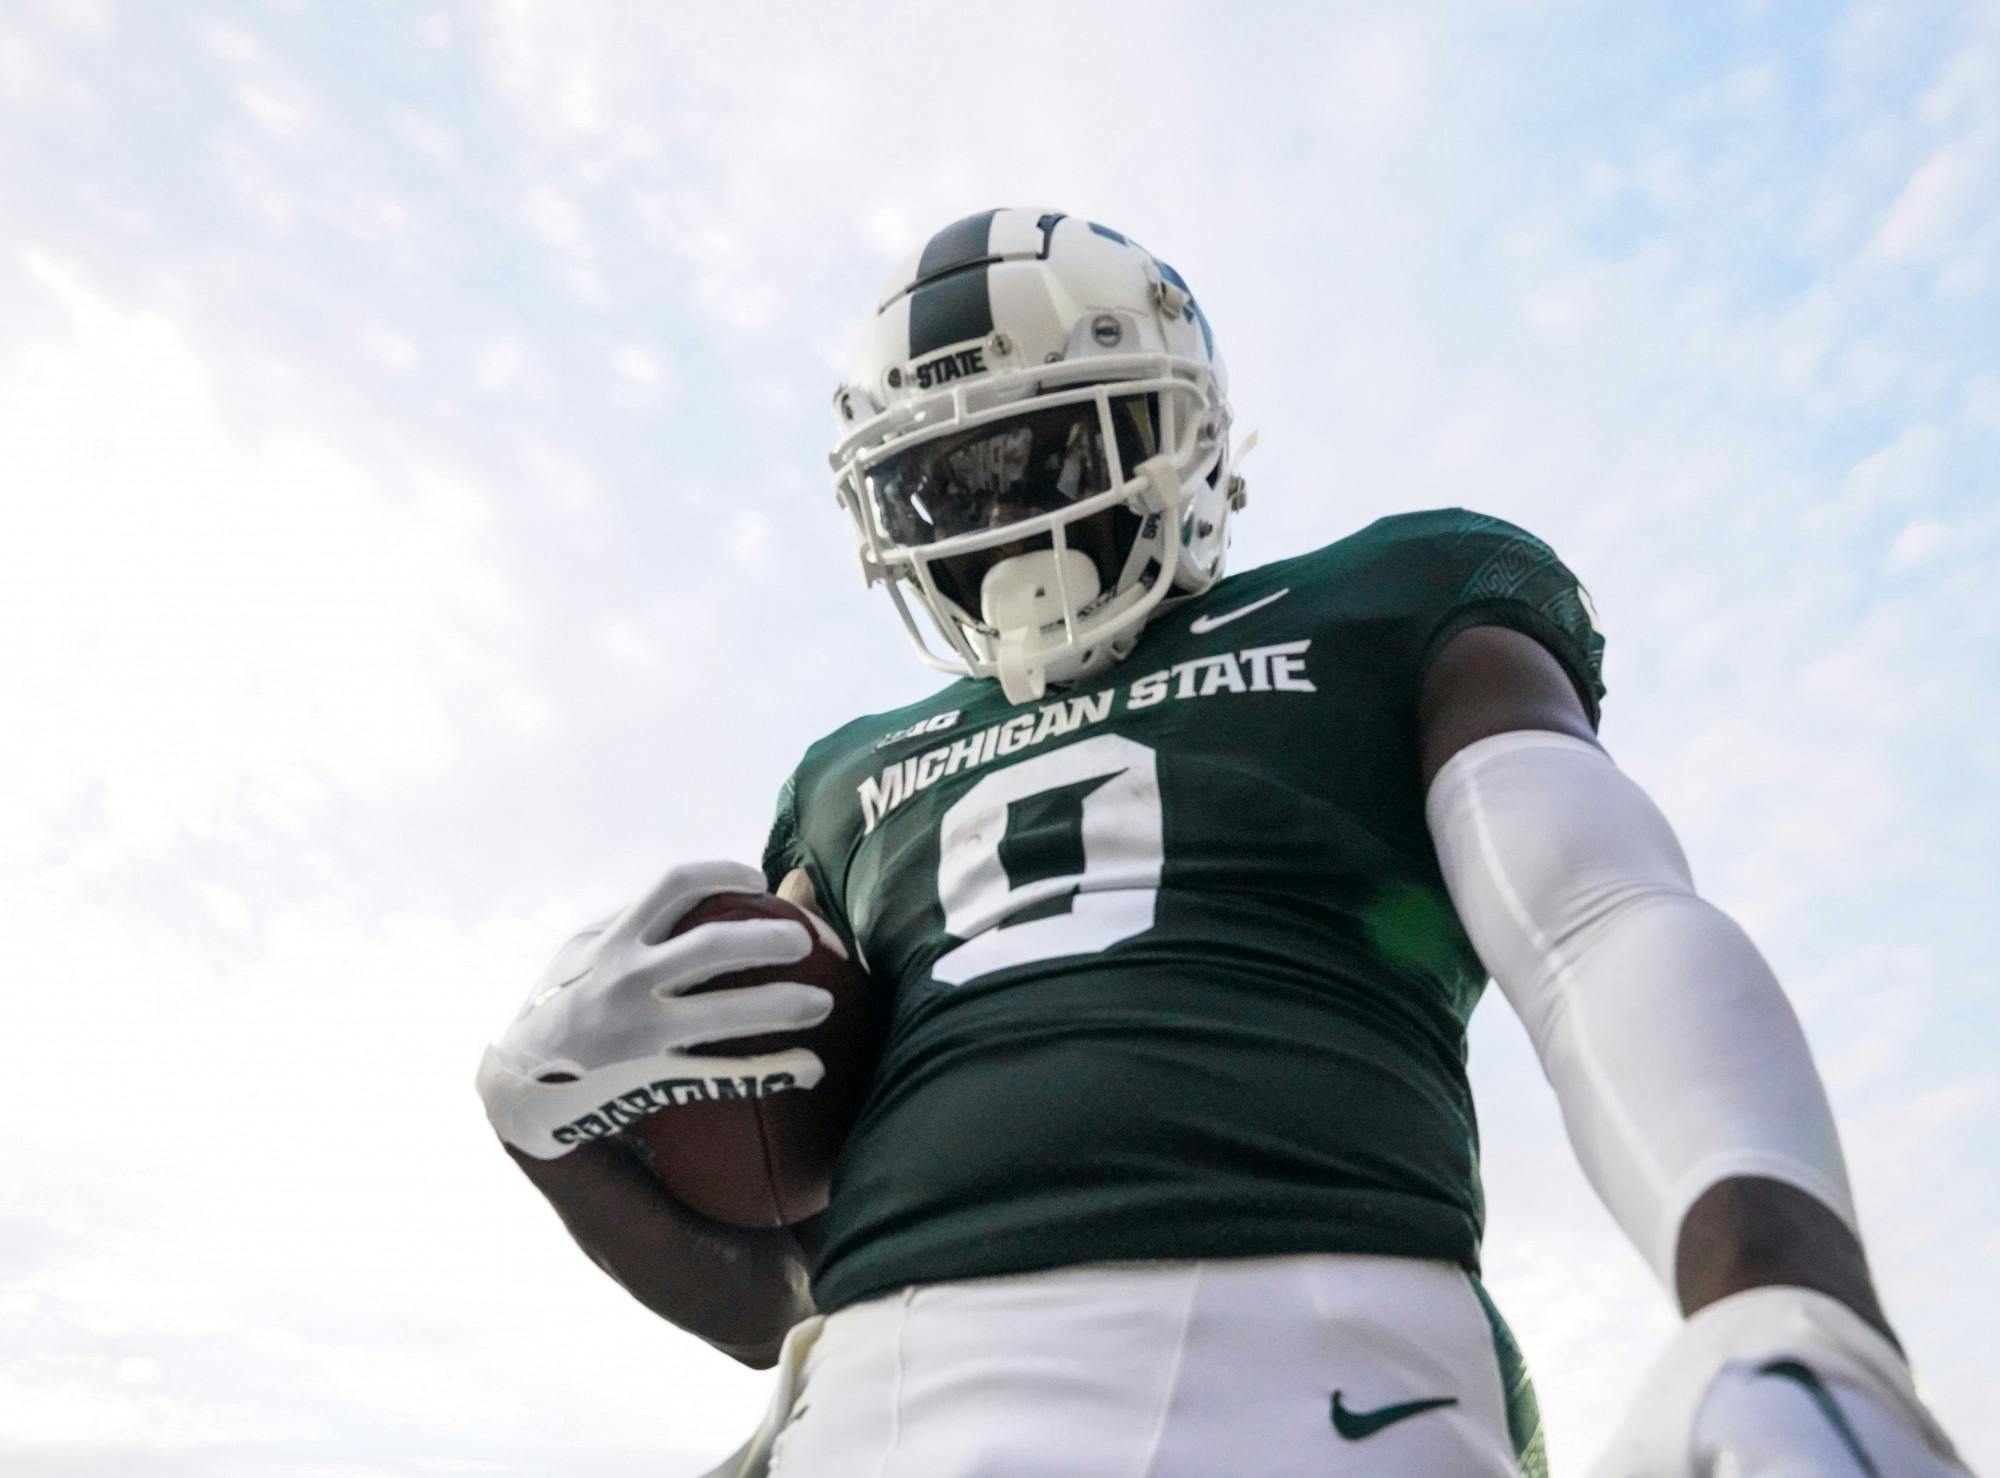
(767, 1162)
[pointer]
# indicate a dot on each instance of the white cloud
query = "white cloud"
(1918, 544)
(390, 349)
(23, 72)
(638, 366)
(429, 137)
(262, 189)
(1982, 401)
(277, 113)
(1746, 94)
(1896, 473)
(889, 231)
(499, 364)
(436, 29)
(749, 541)
(643, 377)
(554, 217)
(1964, 278)
(559, 477)
(88, 19)
(629, 644)
(48, 1400)
(1932, 203)
(1967, 90)
(262, 611)
(230, 43)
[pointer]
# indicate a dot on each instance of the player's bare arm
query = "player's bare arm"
(740, 1289)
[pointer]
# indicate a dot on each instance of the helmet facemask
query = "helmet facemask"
(1038, 536)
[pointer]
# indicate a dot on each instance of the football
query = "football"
(768, 1162)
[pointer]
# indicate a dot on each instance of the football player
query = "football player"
(1185, 890)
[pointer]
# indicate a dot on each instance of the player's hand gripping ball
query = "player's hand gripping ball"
(719, 1032)
(760, 1153)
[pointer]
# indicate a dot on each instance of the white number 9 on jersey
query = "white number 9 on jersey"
(1081, 825)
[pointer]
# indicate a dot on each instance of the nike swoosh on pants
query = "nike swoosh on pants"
(1354, 1425)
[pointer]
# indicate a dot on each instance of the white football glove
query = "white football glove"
(1779, 1383)
(600, 1042)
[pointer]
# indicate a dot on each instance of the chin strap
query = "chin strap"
(1238, 496)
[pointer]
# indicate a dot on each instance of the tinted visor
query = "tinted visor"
(992, 476)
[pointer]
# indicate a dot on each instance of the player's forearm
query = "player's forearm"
(739, 1290)
(1678, 1063)
(1761, 1106)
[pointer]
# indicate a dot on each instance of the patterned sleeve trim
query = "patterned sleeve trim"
(1516, 581)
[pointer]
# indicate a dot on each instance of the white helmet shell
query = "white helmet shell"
(1000, 317)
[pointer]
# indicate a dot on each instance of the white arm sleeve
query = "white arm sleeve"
(1673, 1052)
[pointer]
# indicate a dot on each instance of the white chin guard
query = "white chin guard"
(1024, 595)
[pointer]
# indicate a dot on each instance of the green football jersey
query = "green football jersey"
(1174, 970)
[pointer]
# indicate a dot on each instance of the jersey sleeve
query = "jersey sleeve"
(784, 850)
(1484, 571)
(789, 847)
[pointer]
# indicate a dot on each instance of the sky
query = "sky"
(415, 535)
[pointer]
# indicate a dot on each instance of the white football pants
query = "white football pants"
(1276, 1367)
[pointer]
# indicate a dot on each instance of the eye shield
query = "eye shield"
(999, 474)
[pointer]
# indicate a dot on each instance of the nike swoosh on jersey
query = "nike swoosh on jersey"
(1203, 624)
(1814, 1387)
(1354, 1425)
